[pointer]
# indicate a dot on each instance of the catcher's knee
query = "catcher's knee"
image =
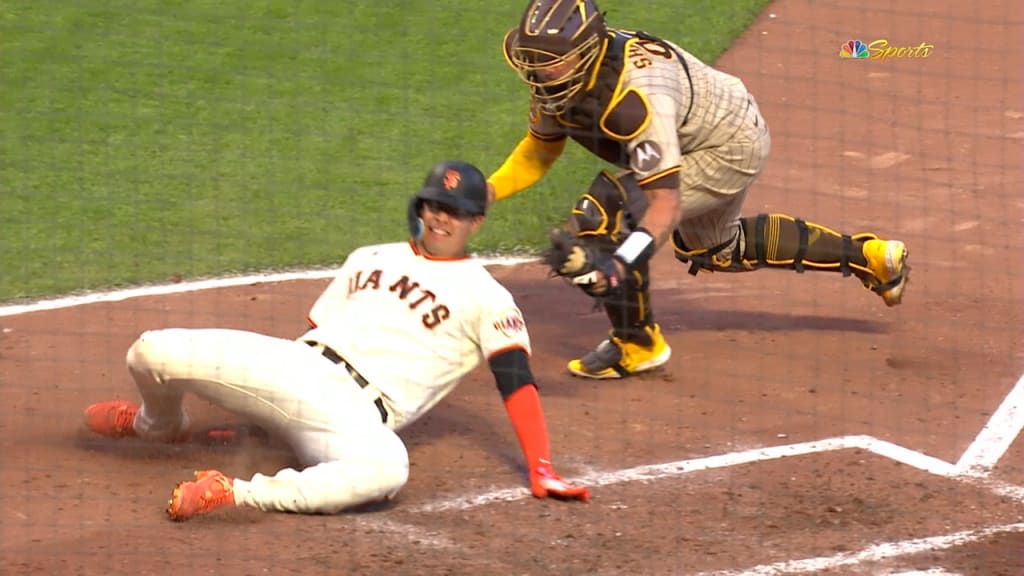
(724, 257)
(609, 210)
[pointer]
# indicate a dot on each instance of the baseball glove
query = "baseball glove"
(588, 265)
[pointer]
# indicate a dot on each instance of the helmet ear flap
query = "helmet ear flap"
(413, 216)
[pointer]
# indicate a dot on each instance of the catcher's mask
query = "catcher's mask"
(555, 49)
(456, 187)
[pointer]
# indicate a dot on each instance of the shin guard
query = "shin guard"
(629, 309)
(781, 241)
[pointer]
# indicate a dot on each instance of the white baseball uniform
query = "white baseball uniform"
(409, 324)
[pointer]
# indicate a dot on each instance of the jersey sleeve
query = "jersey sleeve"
(654, 152)
(501, 325)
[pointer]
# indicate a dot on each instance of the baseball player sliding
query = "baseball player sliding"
(392, 334)
(691, 141)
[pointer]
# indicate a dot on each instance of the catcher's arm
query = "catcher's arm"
(663, 213)
(528, 163)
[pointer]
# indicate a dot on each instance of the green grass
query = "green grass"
(156, 138)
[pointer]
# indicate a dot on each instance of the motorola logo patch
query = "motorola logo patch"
(646, 156)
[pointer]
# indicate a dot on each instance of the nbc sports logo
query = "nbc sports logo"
(853, 49)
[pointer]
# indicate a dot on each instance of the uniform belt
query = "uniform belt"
(333, 356)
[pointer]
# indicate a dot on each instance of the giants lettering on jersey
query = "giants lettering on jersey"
(407, 291)
(510, 323)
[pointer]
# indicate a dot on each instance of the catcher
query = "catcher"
(690, 140)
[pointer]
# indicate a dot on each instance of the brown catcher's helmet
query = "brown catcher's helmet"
(555, 48)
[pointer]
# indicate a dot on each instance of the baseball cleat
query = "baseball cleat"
(617, 358)
(210, 490)
(114, 418)
(887, 260)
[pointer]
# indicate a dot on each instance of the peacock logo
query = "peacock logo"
(853, 49)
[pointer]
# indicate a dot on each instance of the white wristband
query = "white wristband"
(638, 244)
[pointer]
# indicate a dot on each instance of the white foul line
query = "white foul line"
(646, 473)
(874, 553)
(658, 471)
(208, 284)
(996, 436)
(907, 456)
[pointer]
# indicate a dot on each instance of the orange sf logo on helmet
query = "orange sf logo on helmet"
(451, 179)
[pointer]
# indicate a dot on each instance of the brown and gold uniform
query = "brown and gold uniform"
(667, 121)
(642, 115)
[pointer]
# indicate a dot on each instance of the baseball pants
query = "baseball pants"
(286, 387)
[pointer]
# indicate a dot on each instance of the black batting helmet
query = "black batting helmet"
(453, 183)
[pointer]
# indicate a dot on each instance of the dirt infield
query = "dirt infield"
(926, 150)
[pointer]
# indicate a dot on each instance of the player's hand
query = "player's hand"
(492, 196)
(544, 482)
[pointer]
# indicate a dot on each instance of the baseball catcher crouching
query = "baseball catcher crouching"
(690, 140)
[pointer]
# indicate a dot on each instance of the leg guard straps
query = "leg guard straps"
(801, 250)
(703, 257)
(759, 247)
(844, 258)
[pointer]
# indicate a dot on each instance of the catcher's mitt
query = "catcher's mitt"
(586, 264)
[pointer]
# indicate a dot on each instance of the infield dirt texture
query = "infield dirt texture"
(927, 150)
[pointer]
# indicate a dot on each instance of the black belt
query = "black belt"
(333, 356)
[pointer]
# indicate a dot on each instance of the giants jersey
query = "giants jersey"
(645, 109)
(414, 325)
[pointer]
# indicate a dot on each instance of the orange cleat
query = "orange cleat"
(210, 490)
(114, 418)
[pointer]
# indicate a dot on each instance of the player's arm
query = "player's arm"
(526, 165)
(654, 160)
(664, 211)
(655, 228)
(511, 369)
